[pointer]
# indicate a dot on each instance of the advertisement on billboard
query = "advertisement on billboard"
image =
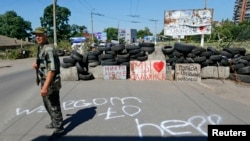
(101, 36)
(188, 22)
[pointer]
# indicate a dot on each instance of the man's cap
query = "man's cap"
(39, 30)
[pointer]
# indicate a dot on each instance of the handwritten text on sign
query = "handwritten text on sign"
(148, 70)
(188, 72)
(114, 72)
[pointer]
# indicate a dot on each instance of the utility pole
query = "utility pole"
(91, 14)
(92, 36)
(155, 27)
(54, 22)
(205, 4)
(118, 33)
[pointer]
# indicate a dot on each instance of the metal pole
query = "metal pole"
(155, 29)
(118, 35)
(92, 36)
(54, 22)
(205, 4)
(202, 35)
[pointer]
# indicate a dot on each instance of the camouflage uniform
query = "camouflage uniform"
(49, 61)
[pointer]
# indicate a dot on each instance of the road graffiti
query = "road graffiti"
(173, 127)
(130, 107)
(74, 104)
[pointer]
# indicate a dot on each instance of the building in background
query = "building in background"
(101, 36)
(241, 10)
(129, 35)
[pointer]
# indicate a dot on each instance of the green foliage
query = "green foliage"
(62, 17)
(14, 26)
(65, 45)
(13, 54)
(111, 33)
(77, 31)
(145, 32)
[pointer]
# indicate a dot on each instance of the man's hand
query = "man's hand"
(44, 92)
(34, 66)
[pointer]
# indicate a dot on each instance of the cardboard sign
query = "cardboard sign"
(188, 72)
(115, 72)
(148, 70)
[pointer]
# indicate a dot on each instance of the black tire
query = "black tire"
(69, 60)
(95, 52)
(167, 49)
(227, 54)
(103, 48)
(177, 53)
(197, 50)
(122, 56)
(237, 66)
(148, 49)
(121, 60)
(106, 56)
(146, 44)
(215, 52)
(76, 56)
(117, 47)
(142, 58)
(240, 77)
(67, 65)
(81, 67)
(215, 58)
(246, 57)
(86, 76)
(183, 48)
(131, 47)
(92, 57)
(134, 51)
(207, 54)
(200, 59)
(108, 63)
(244, 70)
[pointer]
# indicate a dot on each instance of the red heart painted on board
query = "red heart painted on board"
(158, 66)
(202, 28)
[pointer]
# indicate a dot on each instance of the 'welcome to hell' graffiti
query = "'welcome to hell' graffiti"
(148, 70)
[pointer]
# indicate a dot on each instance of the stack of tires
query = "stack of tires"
(81, 63)
(236, 58)
(116, 54)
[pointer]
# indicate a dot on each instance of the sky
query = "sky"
(122, 14)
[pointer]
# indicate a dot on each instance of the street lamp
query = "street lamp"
(153, 20)
(92, 13)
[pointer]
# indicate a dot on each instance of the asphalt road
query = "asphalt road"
(112, 110)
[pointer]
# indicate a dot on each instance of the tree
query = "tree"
(244, 31)
(111, 33)
(145, 32)
(14, 26)
(62, 17)
(77, 30)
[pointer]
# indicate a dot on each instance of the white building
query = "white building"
(129, 35)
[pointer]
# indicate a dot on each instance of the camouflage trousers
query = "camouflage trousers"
(52, 105)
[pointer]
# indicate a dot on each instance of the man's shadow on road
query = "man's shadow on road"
(78, 118)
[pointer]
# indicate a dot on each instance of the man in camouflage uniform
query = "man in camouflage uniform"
(48, 75)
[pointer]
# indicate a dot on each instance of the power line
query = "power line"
(86, 6)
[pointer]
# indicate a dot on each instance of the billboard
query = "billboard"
(101, 36)
(188, 22)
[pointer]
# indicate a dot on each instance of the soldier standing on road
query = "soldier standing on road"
(48, 75)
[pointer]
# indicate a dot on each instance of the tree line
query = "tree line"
(14, 26)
